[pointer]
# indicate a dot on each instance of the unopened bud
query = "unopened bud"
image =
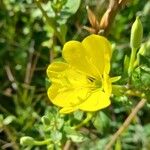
(136, 34)
(27, 140)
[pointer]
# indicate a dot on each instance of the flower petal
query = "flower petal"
(75, 54)
(55, 68)
(97, 100)
(66, 97)
(69, 85)
(66, 110)
(91, 56)
(107, 84)
(66, 75)
(98, 50)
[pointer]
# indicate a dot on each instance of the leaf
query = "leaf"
(78, 115)
(141, 78)
(56, 136)
(72, 6)
(144, 60)
(115, 79)
(59, 122)
(9, 119)
(147, 129)
(136, 78)
(101, 122)
(118, 90)
(74, 135)
(45, 120)
(68, 10)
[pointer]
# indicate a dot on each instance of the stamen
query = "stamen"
(91, 79)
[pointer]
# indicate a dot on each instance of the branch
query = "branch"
(125, 124)
(67, 145)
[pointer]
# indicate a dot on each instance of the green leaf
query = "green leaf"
(145, 78)
(59, 122)
(56, 136)
(118, 90)
(45, 120)
(147, 129)
(72, 6)
(27, 140)
(101, 122)
(8, 120)
(136, 78)
(78, 115)
(144, 60)
(141, 78)
(68, 10)
(74, 135)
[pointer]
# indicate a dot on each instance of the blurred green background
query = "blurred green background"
(29, 42)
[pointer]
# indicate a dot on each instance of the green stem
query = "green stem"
(85, 121)
(135, 93)
(45, 142)
(132, 60)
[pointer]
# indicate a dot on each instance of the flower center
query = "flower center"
(96, 82)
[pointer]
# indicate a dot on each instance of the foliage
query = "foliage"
(32, 35)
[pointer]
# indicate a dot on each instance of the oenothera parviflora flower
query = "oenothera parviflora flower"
(82, 81)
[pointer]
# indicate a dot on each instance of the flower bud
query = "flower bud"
(136, 34)
(27, 140)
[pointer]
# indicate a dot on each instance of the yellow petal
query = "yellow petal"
(66, 75)
(74, 53)
(96, 101)
(66, 110)
(55, 68)
(91, 56)
(107, 84)
(66, 97)
(98, 50)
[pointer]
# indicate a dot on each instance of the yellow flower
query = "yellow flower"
(82, 81)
